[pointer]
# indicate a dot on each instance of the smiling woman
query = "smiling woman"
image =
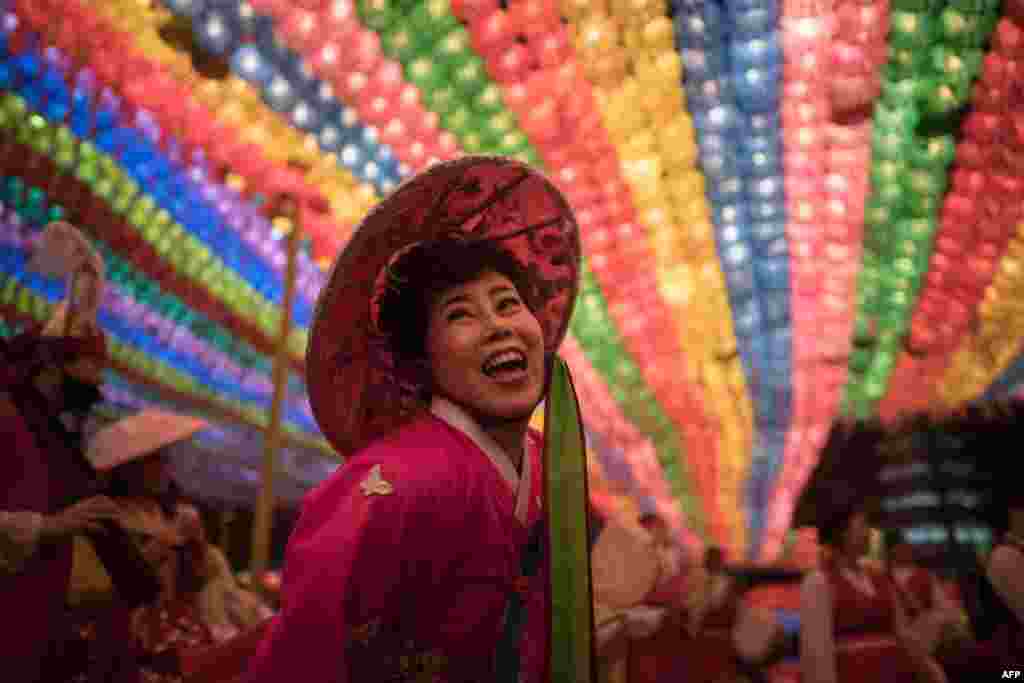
(428, 554)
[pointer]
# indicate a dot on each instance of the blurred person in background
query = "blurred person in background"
(132, 455)
(49, 382)
(852, 625)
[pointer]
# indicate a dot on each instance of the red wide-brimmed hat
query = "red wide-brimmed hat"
(139, 436)
(355, 391)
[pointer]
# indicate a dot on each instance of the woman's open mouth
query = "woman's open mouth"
(506, 366)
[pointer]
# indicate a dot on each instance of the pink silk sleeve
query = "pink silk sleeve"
(342, 580)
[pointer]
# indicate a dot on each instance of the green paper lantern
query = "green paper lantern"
(443, 100)
(87, 172)
(402, 43)
(944, 99)
(24, 134)
(10, 289)
(15, 108)
(911, 29)
(470, 77)
(961, 28)
(459, 121)
(87, 151)
(427, 74)
(498, 125)
(888, 144)
(978, 7)
(378, 15)
(38, 124)
(455, 47)
(127, 188)
(901, 120)
(105, 189)
(141, 211)
(489, 101)
(892, 194)
(888, 171)
(433, 18)
(108, 167)
(474, 142)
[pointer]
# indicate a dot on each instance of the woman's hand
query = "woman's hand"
(86, 515)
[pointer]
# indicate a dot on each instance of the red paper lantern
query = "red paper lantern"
(366, 51)
(1008, 38)
(300, 27)
(447, 145)
(982, 126)
(534, 18)
(491, 33)
(468, 10)
(551, 49)
(512, 65)
(968, 183)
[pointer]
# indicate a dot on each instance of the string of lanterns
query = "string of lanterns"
(133, 321)
(966, 273)
(935, 56)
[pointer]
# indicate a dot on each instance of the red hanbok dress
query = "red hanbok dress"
(403, 562)
(710, 654)
(916, 590)
(661, 657)
(37, 474)
(848, 632)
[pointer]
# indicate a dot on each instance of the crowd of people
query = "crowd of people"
(106, 569)
(429, 555)
(860, 617)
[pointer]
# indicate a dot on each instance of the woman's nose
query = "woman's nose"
(497, 327)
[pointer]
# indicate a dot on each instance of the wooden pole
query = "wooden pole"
(264, 512)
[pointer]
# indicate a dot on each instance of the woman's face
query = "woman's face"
(857, 538)
(486, 349)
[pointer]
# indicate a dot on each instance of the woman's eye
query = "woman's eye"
(504, 304)
(456, 314)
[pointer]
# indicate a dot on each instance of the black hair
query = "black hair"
(834, 526)
(894, 537)
(845, 481)
(430, 268)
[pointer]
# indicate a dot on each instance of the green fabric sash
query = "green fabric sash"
(566, 502)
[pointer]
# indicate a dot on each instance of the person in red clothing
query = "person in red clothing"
(426, 556)
(852, 625)
(49, 378)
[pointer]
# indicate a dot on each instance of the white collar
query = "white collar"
(458, 418)
(859, 579)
